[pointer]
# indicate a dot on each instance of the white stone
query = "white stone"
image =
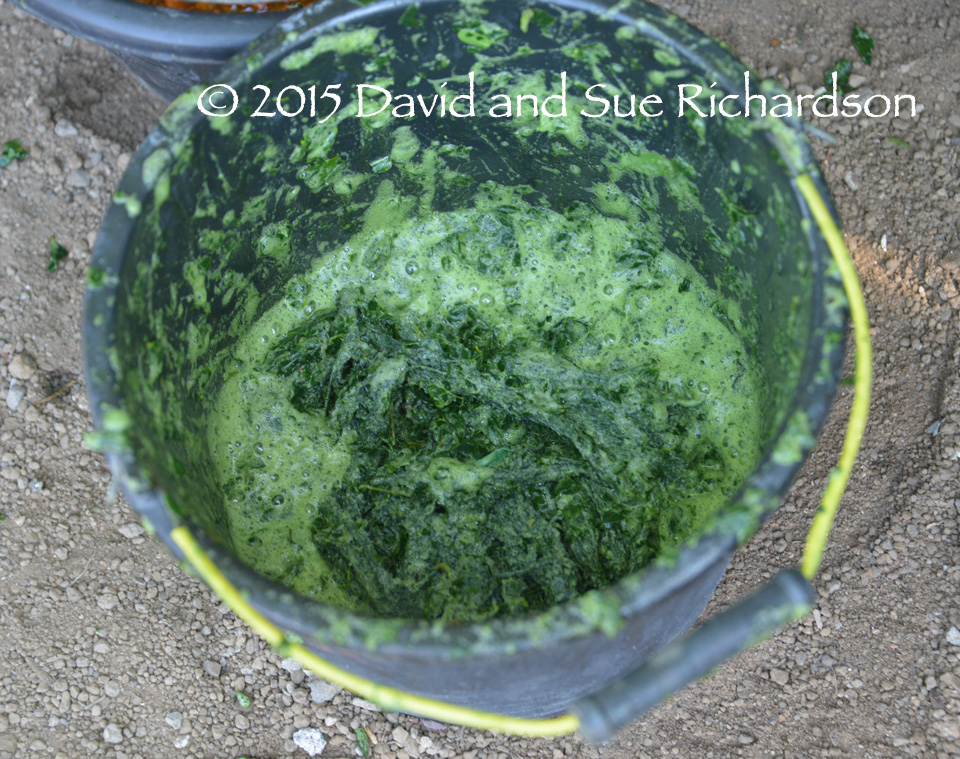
(311, 740)
(15, 394)
(107, 601)
(112, 734)
(953, 636)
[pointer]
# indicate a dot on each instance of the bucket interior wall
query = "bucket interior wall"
(233, 209)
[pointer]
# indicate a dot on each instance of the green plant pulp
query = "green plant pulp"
(482, 412)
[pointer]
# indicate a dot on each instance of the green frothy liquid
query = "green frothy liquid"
(482, 413)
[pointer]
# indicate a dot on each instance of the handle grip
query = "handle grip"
(787, 597)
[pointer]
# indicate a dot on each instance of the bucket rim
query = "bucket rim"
(321, 625)
(160, 32)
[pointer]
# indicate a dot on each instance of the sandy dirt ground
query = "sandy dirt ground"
(108, 649)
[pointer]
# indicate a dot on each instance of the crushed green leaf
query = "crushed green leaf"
(486, 454)
(319, 174)
(131, 203)
(411, 17)
(96, 278)
(12, 152)
(843, 69)
(491, 459)
(480, 34)
(363, 741)
(864, 43)
(897, 142)
(57, 254)
(243, 699)
(538, 16)
(112, 435)
(381, 165)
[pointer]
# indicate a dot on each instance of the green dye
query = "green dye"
(484, 412)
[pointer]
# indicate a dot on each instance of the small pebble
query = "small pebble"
(22, 367)
(107, 601)
(212, 668)
(112, 688)
(953, 636)
(15, 395)
(112, 734)
(65, 128)
(174, 719)
(311, 740)
(321, 691)
(130, 530)
(78, 178)
(780, 677)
